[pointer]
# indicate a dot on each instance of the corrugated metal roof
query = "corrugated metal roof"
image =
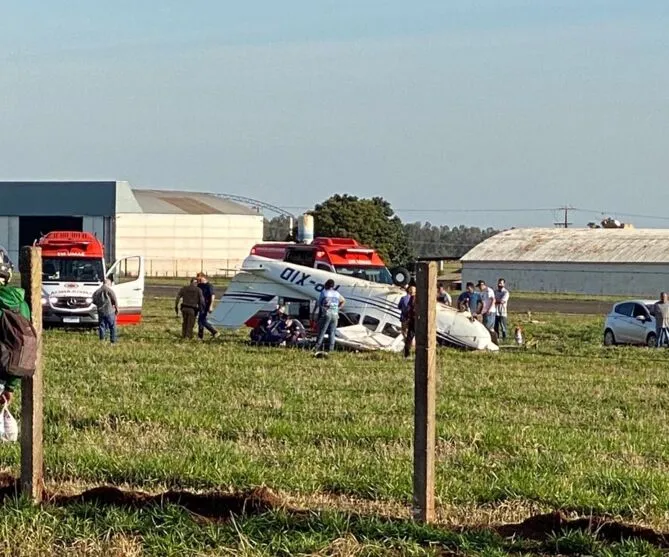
(187, 203)
(574, 245)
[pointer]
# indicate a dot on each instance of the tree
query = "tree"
(371, 222)
(276, 229)
(428, 240)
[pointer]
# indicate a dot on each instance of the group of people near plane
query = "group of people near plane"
(278, 328)
(486, 305)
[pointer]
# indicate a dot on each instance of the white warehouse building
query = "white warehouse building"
(626, 262)
(178, 233)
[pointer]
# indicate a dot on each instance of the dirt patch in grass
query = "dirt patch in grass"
(543, 526)
(9, 485)
(209, 505)
(218, 505)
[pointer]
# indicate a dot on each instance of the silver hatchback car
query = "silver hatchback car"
(631, 322)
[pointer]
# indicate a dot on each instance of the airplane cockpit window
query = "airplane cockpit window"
(391, 330)
(370, 322)
(346, 319)
(366, 272)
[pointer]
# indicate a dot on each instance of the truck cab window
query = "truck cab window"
(366, 272)
(72, 269)
(304, 257)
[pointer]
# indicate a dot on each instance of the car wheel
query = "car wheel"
(651, 340)
(609, 339)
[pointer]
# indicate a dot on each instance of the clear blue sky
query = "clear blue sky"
(440, 105)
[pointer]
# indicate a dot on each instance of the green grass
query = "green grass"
(568, 425)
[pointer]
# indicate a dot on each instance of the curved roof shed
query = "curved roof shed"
(579, 260)
(585, 245)
(187, 203)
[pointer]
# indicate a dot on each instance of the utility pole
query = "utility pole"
(565, 223)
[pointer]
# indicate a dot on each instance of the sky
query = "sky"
(482, 112)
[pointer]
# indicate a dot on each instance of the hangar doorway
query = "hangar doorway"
(32, 228)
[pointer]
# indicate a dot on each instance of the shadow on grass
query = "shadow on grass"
(265, 515)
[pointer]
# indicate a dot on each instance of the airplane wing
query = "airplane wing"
(247, 294)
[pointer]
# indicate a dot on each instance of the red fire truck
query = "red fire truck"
(73, 268)
(344, 256)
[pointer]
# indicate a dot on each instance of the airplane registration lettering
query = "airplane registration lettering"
(300, 282)
(292, 275)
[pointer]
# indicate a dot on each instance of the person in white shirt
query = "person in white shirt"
(329, 303)
(444, 297)
(488, 311)
(501, 302)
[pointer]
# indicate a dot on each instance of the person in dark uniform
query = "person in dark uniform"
(209, 297)
(192, 301)
(410, 323)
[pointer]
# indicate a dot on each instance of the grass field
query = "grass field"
(567, 425)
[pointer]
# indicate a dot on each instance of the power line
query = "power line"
(633, 215)
(565, 223)
(431, 210)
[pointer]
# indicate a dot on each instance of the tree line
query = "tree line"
(374, 223)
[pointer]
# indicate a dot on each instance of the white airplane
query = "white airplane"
(370, 309)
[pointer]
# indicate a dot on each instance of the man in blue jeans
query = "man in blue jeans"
(329, 303)
(104, 299)
(404, 308)
(209, 297)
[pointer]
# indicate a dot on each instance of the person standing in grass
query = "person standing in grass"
(192, 301)
(657, 321)
(662, 320)
(410, 322)
(329, 303)
(487, 311)
(11, 298)
(105, 300)
(464, 300)
(501, 313)
(209, 297)
(403, 306)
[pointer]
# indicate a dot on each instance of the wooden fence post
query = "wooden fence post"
(425, 375)
(32, 404)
